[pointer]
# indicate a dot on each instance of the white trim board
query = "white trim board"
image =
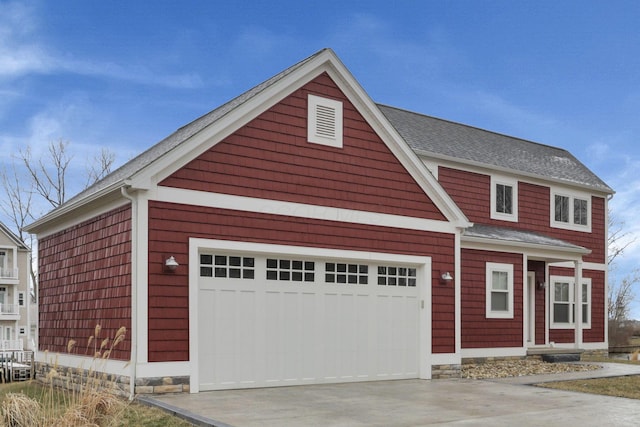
(299, 210)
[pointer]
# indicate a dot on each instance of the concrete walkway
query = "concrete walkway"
(496, 402)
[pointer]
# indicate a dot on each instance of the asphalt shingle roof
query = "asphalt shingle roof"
(519, 236)
(444, 139)
(424, 134)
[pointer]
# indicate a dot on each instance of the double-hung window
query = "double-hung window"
(504, 198)
(499, 284)
(563, 302)
(571, 211)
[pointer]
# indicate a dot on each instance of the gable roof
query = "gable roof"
(13, 237)
(160, 149)
(443, 139)
(183, 145)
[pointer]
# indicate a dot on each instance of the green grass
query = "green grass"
(627, 386)
(133, 414)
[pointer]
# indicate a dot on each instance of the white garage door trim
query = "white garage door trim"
(423, 265)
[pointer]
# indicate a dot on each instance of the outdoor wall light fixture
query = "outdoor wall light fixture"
(542, 285)
(171, 264)
(446, 278)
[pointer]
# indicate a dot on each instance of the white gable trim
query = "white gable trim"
(300, 210)
(326, 61)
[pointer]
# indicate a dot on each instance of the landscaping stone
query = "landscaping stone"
(519, 368)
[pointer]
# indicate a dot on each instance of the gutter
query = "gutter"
(134, 300)
(577, 250)
(457, 160)
(70, 206)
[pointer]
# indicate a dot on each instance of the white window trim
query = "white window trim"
(572, 292)
(513, 183)
(490, 268)
(315, 136)
(572, 195)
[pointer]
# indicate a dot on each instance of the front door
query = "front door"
(531, 309)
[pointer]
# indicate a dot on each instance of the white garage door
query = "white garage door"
(273, 320)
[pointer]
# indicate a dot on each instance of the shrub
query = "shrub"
(84, 398)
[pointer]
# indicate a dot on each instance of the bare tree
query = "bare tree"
(620, 294)
(100, 167)
(618, 239)
(48, 174)
(32, 186)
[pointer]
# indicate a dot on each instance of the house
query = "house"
(303, 234)
(15, 295)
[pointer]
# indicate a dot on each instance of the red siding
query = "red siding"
(85, 280)
(598, 307)
(171, 226)
(271, 158)
(471, 192)
(477, 330)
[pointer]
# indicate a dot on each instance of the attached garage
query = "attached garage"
(272, 315)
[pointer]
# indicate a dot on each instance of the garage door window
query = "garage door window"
(290, 270)
(396, 276)
(222, 266)
(346, 273)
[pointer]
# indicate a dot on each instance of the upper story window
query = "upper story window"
(563, 302)
(499, 282)
(324, 121)
(504, 199)
(571, 211)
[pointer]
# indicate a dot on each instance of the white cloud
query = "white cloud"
(19, 53)
(23, 52)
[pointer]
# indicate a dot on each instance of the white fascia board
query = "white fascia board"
(532, 250)
(299, 210)
(60, 212)
(235, 119)
(592, 266)
(486, 169)
(401, 150)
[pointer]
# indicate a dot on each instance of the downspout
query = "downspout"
(134, 290)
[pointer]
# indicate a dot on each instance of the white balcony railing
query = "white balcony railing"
(8, 273)
(8, 309)
(11, 345)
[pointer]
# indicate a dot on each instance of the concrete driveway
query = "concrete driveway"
(409, 403)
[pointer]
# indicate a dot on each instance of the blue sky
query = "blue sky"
(125, 74)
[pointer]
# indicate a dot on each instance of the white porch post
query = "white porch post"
(577, 292)
(14, 268)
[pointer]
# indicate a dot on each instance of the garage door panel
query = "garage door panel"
(273, 336)
(342, 324)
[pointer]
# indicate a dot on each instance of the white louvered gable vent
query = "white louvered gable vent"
(324, 121)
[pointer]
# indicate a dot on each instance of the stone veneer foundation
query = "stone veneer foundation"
(443, 372)
(77, 378)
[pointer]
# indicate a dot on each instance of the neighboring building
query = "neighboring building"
(15, 295)
(303, 234)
